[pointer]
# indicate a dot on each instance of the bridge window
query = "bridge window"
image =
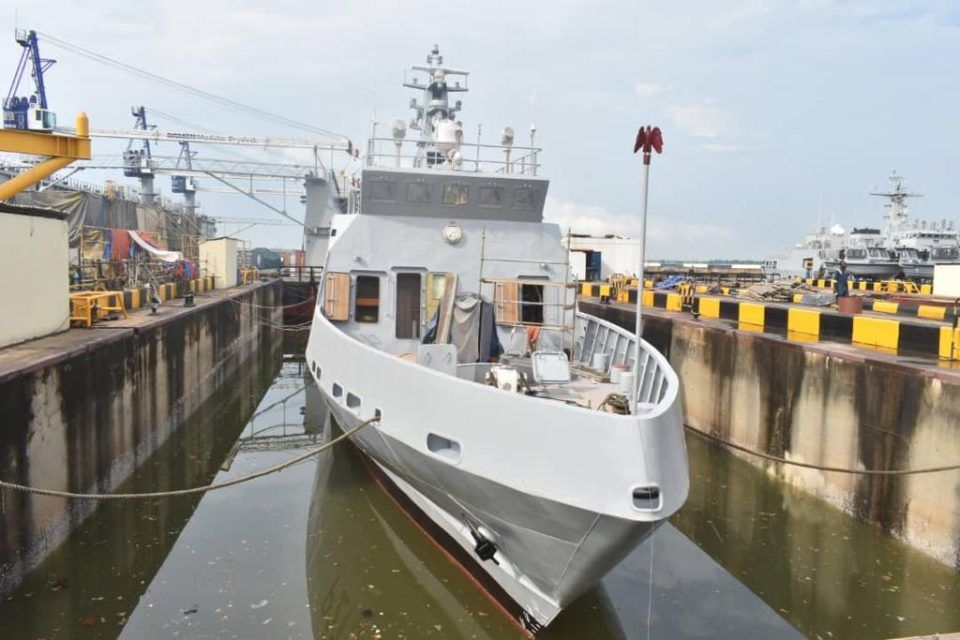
(418, 192)
(383, 191)
(490, 197)
(524, 198)
(455, 194)
(367, 303)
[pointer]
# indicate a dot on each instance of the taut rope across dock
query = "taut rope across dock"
(184, 492)
(819, 467)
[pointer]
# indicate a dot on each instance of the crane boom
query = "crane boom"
(214, 138)
(39, 66)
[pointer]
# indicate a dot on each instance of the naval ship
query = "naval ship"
(537, 444)
(904, 248)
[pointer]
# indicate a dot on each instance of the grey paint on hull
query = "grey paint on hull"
(562, 549)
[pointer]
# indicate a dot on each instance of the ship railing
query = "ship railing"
(474, 157)
(600, 345)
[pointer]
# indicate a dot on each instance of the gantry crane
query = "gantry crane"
(186, 164)
(28, 124)
(183, 183)
(138, 163)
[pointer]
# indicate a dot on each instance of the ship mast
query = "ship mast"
(434, 106)
(897, 207)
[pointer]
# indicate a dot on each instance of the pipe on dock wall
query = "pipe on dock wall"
(84, 423)
(809, 404)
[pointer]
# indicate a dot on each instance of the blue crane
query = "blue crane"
(29, 113)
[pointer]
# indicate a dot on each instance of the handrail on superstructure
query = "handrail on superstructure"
(526, 260)
(549, 283)
(416, 154)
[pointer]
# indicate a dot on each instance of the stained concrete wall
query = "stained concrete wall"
(85, 421)
(815, 404)
(34, 262)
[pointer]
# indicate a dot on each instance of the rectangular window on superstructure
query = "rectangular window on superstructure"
(531, 307)
(408, 305)
(383, 191)
(524, 198)
(455, 194)
(418, 193)
(490, 197)
(366, 306)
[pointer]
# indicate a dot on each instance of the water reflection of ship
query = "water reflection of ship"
(370, 570)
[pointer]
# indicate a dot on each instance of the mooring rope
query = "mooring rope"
(183, 492)
(819, 467)
(254, 305)
(304, 326)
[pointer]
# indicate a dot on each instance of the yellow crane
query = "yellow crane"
(62, 149)
(28, 125)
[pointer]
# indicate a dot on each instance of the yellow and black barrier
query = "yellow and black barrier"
(894, 335)
(813, 324)
(597, 290)
(669, 300)
(925, 311)
(879, 286)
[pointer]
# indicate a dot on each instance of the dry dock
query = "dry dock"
(84, 408)
(827, 404)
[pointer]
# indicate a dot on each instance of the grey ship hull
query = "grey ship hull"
(565, 550)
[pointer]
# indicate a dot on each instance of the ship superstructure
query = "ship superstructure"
(919, 244)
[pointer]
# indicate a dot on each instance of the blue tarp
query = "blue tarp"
(669, 282)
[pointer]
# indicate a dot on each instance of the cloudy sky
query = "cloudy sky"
(772, 111)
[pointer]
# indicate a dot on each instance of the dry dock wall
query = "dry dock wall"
(827, 405)
(92, 407)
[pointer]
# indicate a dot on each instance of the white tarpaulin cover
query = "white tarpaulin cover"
(160, 254)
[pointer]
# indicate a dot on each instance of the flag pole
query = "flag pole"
(648, 139)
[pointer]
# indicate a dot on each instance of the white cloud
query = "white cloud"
(650, 89)
(701, 120)
(666, 237)
(590, 219)
(717, 147)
